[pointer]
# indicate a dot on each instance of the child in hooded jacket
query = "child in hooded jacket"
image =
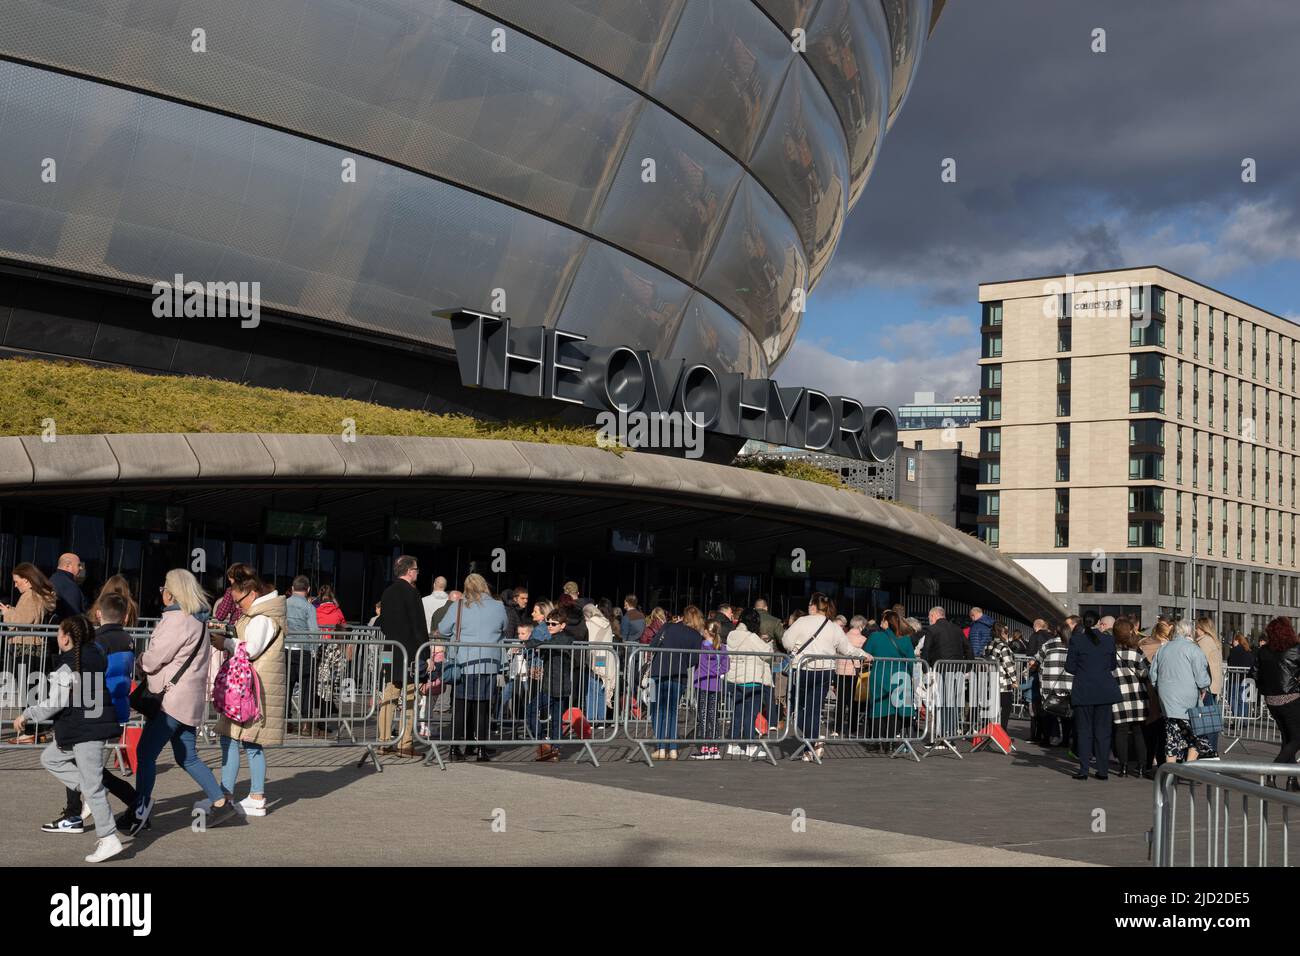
(708, 688)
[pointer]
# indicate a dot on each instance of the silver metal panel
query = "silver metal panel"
(848, 44)
(803, 160)
(708, 329)
(757, 265)
(673, 220)
(145, 190)
(909, 24)
(415, 82)
(723, 69)
(790, 13)
(623, 39)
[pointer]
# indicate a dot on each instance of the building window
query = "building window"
(992, 376)
(1164, 577)
(1062, 469)
(992, 439)
(1146, 500)
(1062, 502)
(1062, 437)
(990, 503)
(993, 345)
(989, 534)
(1092, 575)
(1128, 576)
(1062, 534)
(1147, 398)
(1145, 466)
(1062, 371)
(1063, 340)
(992, 313)
(991, 408)
(1148, 432)
(1062, 404)
(1180, 580)
(990, 472)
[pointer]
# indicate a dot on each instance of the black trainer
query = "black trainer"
(66, 823)
(134, 820)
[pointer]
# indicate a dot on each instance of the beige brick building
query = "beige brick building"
(1131, 420)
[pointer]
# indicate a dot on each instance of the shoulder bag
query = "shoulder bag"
(450, 673)
(1205, 719)
(149, 704)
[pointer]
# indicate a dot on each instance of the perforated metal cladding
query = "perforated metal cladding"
(909, 23)
(803, 160)
(756, 267)
(846, 49)
(722, 71)
(147, 189)
(624, 39)
(669, 212)
(417, 82)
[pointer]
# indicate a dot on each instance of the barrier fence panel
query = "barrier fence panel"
(1245, 716)
(28, 653)
(962, 699)
(1219, 828)
(474, 697)
(849, 700)
(725, 703)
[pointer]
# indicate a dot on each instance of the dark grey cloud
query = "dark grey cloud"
(1074, 160)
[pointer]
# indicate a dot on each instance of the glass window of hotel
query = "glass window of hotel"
(1063, 340)
(1092, 575)
(992, 439)
(1196, 330)
(992, 376)
(1180, 572)
(1062, 437)
(1254, 350)
(1062, 469)
(992, 313)
(1063, 371)
(1062, 534)
(991, 408)
(1225, 340)
(1196, 394)
(1179, 379)
(1164, 577)
(1142, 365)
(1209, 338)
(993, 345)
(989, 534)
(1241, 337)
(990, 503)
(1147, 398)
(1147, 500)
(990, 472)
(1268, 356)
(1062, 404)
(1254, 587)
(1180, 324)
(1062, 501)
(1140, 467)
(1144, 431)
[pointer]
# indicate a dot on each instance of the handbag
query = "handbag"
(1057, 703)
(1205, 719)
(149, 704)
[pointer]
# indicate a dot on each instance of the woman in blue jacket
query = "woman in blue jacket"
(476, 623)
(1091, 661)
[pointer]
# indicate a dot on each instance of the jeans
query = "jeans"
(558, 706)
(813, 686)
(538, 704)
(595, 698)
(230, 749)
(663, 712)
(748, 701)
(157, 733)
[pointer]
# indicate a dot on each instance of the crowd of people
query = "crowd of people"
(1095, 686)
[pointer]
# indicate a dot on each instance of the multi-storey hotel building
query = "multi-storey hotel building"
(1138, 444)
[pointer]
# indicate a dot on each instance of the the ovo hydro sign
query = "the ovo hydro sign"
(566, 367)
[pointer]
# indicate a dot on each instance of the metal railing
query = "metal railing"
(1225, 831)
(962, 699)
(706, 700)
(876, 705)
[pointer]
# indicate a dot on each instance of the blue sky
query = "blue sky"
(1067, 160)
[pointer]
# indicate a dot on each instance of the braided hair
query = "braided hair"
(79, 630)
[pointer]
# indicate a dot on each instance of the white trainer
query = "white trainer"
(106, 847)
(253, 808)
(735, 750)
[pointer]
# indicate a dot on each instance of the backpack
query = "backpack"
(237, 691)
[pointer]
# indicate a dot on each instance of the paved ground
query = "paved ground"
(987, 809)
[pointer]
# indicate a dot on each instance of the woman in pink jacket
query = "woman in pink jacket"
(175, 666)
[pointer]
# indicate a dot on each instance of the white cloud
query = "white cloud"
(880, 380)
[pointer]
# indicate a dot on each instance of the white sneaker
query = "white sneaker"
(253, 808)
(735, 750)
(106, 847)
(753, 750)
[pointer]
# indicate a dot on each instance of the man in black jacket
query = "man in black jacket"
(944, 641)
(69, 599)
(402, 621)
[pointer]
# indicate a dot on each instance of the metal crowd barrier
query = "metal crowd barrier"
(1022, 706)
(1230, 792)
(721, 704)
(512, 693)
(1245, 716)
(962, 698)
(877, 706)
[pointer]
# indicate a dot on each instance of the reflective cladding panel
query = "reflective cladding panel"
(149, 188)
(708, 330)
(848, 50)
(619, 300)
(802, 159)
(790, 13)
(756, 266)
(909, 22)
(674, 220)
(723, 69)
(625, 39)
(414, 82)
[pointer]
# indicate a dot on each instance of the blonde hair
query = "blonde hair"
(692, 617)
(476, 589)
(713, 634)
(1162, 630)
(185, 591)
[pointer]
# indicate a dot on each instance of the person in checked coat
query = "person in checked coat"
(1130, 713)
